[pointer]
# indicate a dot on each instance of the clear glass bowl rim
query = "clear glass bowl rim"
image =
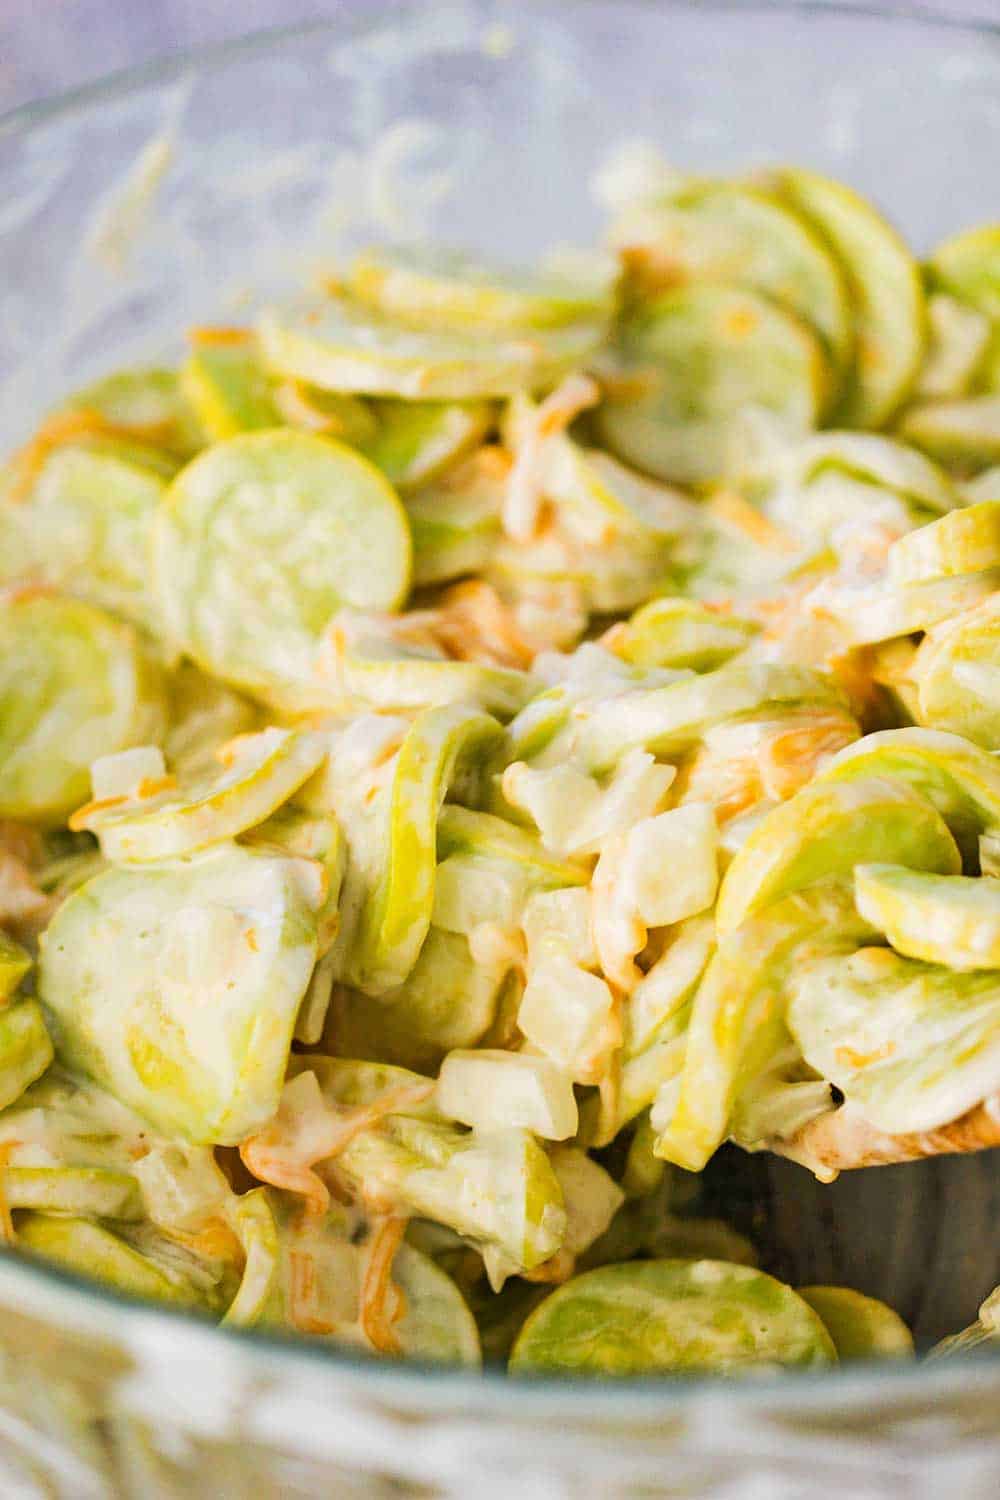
(637, 1397)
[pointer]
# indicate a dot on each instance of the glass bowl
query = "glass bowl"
(191, 190)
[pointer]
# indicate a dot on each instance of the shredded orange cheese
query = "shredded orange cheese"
(381, 1301)
(209, 337)
(60, 429)
(854, 1059)
(285, 1151)
(81, 818)
(230, 750)
(152, 786)
(474, 624)
(215, 1240)
(735, 511)
(303, 1295)
(525, 485)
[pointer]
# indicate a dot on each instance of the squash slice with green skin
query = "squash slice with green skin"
(262, 771)
(92, 1192)
(433, 1321)
(741, 234)
(822, 833)
(436, 1324)
(397, 910)
(912, 1046)
(960, 338)
(682, 633)
(316, 836)
(447, 1000)
(968, 267)
(952, 920)
(886, 288)
(963, 435)
(82, 521)
(737, 1024)
(657, 1027)
(253, 1221)
(956, 672)
(455, 530)
(671, 1316)
(861, 1327)
(670, 719)
(25, 1049)
(260, 541)
(88, 1249)
(373, 669)
(147, 403)
(963, 541)
(707, 352)
(869, 613)
(414, 441)
(176, 986)
(956, 776)
(227, 387)
(876, 460)
(15, 963)
(499, 1190)
(70, 1148)
(339, 348)
(75, 685)
(427, 288)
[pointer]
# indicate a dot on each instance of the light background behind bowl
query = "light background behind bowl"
(50, 45)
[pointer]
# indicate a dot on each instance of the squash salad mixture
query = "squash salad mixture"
(478, 740)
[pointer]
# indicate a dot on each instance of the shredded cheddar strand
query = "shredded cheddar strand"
(774, 765)
(215, 1240)
(302, 1295)
(735, 511)
(377, 1315)
(230, 750)
(206, 336)
(80, 820)
(791, 756)
(292, 400)
(274, 1158)
(152, 786)
(525, 485)
(851, 1058)
(21, 592)
(56, 432)
(149, 786)
(474, 624)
